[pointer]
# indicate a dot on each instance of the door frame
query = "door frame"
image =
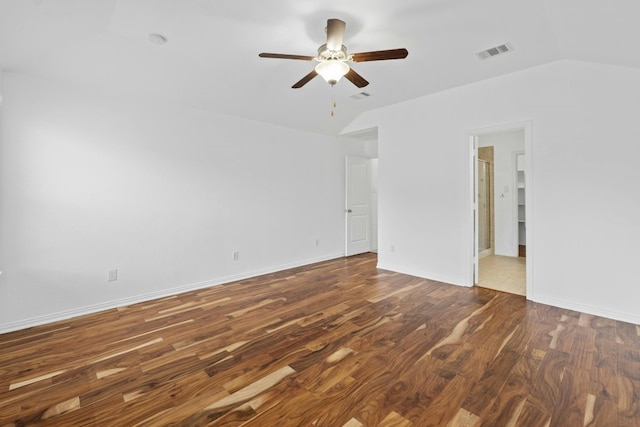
(370, 223)
(472, 141)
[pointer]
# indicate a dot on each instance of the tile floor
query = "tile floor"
(503, 273)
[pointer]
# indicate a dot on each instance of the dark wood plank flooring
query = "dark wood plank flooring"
(338, 343)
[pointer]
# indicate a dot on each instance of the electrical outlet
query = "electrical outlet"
(236, 256)
(317, 242)
(113, 275)
(392, 248)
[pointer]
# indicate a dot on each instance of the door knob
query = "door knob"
(349, 211)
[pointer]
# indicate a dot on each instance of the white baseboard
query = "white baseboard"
(81, 311)
(596, 311)
(95, 308)
(420, 274)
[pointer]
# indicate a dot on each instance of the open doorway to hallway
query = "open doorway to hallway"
(361, 191)
(361, 212)
(500, 207)
(503, 273)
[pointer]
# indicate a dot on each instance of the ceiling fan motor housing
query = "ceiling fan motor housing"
(324, 53)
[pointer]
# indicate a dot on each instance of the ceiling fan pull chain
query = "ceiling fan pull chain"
(333, 102)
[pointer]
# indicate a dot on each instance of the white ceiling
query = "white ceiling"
(211, 59)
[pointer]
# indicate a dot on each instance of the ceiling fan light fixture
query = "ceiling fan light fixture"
(332, 70)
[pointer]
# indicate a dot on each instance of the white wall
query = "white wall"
(505, 145)
(582, 246)
(359, 147)
(163, 194)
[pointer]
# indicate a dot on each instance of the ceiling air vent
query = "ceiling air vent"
(494, 51)
(361, 95)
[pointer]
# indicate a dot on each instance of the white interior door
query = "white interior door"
(358, 205)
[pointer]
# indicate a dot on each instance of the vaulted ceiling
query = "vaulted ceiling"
(211, 58)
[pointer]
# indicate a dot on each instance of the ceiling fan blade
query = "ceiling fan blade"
(380, 55)
(285, 56)
(335, 34)
(356, 78)
(306, 79)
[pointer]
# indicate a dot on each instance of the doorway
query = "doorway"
(361, 211)
(485, 206)
(499, 201)
(360, 149)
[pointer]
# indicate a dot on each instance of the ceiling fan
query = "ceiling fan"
(333, 57)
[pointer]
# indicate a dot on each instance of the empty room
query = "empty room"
(363, 213)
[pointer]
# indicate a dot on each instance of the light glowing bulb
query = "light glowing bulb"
(332, 70)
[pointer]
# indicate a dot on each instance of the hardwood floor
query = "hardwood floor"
(334, 344)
